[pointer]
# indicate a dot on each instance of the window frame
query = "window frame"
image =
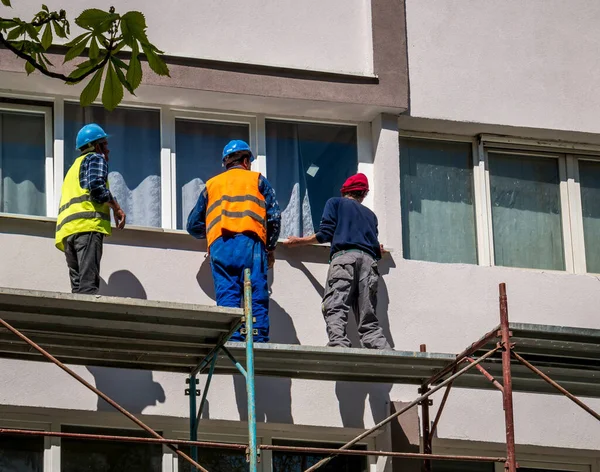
(50, 164)
(168, 120)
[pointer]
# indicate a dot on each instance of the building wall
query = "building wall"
(514, 63)
(334, 36)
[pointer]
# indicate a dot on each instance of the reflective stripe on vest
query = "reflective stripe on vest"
(235, 204)
(78, 213)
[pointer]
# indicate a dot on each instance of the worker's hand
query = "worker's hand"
(120, 217)
(270, 259)
(293, 241)
(383, 250)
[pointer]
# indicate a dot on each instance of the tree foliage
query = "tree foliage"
(105, 35)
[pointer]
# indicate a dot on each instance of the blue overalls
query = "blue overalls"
(229, 256)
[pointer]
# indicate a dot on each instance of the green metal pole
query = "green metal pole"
(252, 449)
(193, 424)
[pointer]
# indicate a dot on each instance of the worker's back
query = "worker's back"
(352, 226)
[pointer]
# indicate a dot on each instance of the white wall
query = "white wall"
(446, 306)
(330, 36)
(528, 63)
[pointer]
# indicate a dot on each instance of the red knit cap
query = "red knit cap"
(356, 183)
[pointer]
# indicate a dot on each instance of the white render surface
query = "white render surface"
(531, 64)
(332, 36)
(444, 306)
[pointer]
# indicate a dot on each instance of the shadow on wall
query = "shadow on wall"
(281, 331)
(132, 389)
(352, 396)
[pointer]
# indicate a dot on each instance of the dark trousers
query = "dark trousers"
(83, 252)
(352, 285)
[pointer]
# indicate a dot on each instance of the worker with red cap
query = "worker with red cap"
(352, 280)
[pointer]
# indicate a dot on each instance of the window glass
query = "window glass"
(436, 188)
(526, 213)
(307, 164)
(21, 453)
(298, 462)
(22, 163)
(79, 455)
(216, 460)
(134, 165)
(589, 178)
(199, 146)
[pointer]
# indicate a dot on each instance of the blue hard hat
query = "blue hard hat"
(237, 145)
(88, 134)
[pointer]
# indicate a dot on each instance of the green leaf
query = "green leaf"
(91, 90)
(45, 8)
(29, 67)
(134, 71)
(6, 3)
(113, 89)
(156, 63)
(47, 37)
(44, 59)
(59, 30)
(121, 76)
(133, 25)
(92, 18)
(15, 33)
(77, 40)
(31, 31)
(94, 49)
(75, 51)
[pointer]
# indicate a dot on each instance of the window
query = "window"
(199, 147)
(108, 456)
(216, 460)
(298, 462)
(134, 143)
(24, 173)
(438, 219)
(526, 211)
(462, 466)
(589, 178)
(21, 453)
(307, 164)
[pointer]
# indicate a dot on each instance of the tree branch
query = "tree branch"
(48, 73)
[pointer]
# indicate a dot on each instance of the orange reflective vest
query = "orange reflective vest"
(235, 204)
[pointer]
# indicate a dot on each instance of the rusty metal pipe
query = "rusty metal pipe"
(242, 447)
(104, 397)
(558, 387)
(487, 375)
(438, 415)
(466, 353)
(379, 425)
(507, 394)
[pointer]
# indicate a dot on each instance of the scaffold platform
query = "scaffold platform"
(191, 339)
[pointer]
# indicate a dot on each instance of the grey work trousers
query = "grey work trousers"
(352, 284)
(84, 252)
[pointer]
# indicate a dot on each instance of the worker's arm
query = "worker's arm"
(326, 229)
(273, 213)
(97, 177)
(196, 223)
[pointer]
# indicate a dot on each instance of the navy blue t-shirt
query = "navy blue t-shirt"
(347, 224)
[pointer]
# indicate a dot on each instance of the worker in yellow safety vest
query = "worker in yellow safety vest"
(84, 213)
(238, 214)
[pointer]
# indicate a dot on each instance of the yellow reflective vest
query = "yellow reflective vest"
(78, 213)
(235, 204)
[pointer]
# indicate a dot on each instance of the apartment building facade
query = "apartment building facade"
(475, 123)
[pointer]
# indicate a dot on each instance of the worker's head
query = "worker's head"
(356, 187)
(92, 138)
(237, 153)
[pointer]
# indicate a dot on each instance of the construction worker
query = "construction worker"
(352, 280)
(84, 213)
(238, 214)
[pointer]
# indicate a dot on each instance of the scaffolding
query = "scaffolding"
(192, 339)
